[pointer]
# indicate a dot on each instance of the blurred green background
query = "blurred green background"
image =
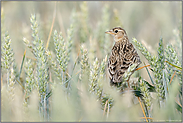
(145, 20)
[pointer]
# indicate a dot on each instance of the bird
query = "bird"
(122, 56)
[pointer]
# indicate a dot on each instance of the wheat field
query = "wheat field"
(54, 61)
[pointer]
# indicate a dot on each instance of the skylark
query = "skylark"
(122, 56)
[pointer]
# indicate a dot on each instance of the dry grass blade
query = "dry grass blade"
(54, 15)
(30, 58)
(172, 77)
(25, 94)
(108, 110)
(78, 72)
(178, 102)
(20, 84)
(142, 109)
(146, 117)
(105, 107)
(142, 67)
(1, 81)
(68, 75)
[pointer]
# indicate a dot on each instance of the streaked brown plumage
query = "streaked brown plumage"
(122, 56)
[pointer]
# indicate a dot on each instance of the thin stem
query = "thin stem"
(172, 77)
(8, 77)
(142, 109)
(108, 111)
(105, 107)
(142, 67)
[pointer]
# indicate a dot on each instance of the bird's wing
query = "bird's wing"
(122, 56)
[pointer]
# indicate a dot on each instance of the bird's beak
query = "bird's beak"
(109, 32)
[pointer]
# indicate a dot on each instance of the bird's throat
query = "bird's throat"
(121, 39)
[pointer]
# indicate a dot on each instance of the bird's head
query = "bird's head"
(118, 33)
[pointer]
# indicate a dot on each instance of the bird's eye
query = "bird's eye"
(116, 31)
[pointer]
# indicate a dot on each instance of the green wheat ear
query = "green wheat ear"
(69, 45)
(72, 102)
(11, 88)
(7, 65)
(94, 76)
(84, 63)
(60, 48)
(159, 71)
(57, 70)
(156, 63)
(7, 53)
(102, 69)
(171, 57)
(42, 75)
(146, 94)
(30, 81)
(143, 50)
(42, 70)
